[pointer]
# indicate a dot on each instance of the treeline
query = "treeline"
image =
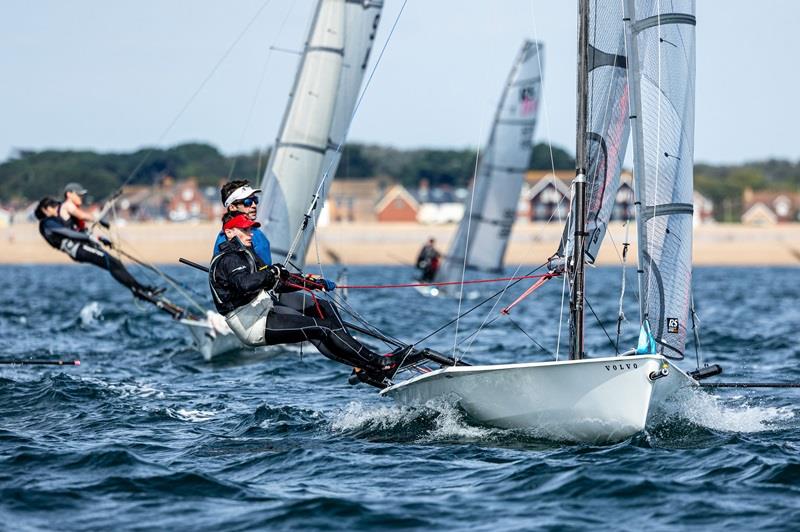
(30, 175)
(725, 184)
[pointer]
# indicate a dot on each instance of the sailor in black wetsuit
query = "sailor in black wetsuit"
(243, 286)
(428, 262)
(83, 247)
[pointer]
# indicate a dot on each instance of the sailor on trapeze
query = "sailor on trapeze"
(243, 287)
(63, 226)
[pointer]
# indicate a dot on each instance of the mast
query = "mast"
(579, 187)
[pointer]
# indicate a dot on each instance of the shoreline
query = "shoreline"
(398, 243)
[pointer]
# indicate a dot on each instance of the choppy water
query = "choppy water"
(145, 435)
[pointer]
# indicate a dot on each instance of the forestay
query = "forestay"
(317, 118)
(484, 236)
(662, 39)
(607, 128)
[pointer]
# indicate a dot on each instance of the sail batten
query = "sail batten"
(483, 233)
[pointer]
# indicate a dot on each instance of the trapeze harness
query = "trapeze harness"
(248, 321)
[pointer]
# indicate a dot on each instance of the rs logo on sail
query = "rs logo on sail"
(621, 367)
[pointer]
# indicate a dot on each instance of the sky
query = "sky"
(117, 76)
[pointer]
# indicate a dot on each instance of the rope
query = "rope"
(601, 324)
(449, 323)
(446, 283)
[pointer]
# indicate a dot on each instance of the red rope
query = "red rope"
(473, 281)
(544, 278)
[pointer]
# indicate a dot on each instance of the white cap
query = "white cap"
(241, 193)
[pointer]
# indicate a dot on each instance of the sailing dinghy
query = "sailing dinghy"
(308, 146)
(491, 208)
(635, 72)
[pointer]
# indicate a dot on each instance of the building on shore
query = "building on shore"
(769, 208)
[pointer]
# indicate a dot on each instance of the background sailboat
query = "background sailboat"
(490, 211)
(316, 122)
(307, 149)
(609, 398)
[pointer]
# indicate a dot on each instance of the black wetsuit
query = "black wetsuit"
(237, 276)
(428, 262)
(81, 248)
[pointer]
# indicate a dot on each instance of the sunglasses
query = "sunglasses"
(249, 202)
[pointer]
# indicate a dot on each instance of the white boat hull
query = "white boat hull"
(592, 400)
(210, 342)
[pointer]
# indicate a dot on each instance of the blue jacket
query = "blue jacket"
(260, 245)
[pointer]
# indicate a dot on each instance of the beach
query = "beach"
(398, 243)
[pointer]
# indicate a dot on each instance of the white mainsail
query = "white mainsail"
(662, 45)
(316, 120)
(484, 235)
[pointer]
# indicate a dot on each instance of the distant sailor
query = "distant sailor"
(244, 286)
(428, 262)
(239, 197)
(64, 235)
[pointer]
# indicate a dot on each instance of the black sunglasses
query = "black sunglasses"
(249, 202)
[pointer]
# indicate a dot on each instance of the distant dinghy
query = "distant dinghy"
(490, 211)
(314, 127)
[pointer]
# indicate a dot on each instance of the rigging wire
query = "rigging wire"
(540, 346)
(466, 242)
(599, 322)
(481, 303)
(183, 109)
(554, 178)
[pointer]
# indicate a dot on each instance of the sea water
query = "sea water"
(146, 435)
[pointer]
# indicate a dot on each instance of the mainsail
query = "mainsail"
(483, 236)
(662, 48)
(316, 120)
(607, 124)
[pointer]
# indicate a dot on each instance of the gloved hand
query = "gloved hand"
(105, 241)
(327, 285)
(104, 223)
(274, 277)
(282, 272)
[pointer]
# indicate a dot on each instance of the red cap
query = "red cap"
(240, 221)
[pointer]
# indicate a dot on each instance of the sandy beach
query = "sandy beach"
(398, 243)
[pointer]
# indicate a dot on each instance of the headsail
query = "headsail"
(607, 127)
(500, 172)
(317, 119)
(662, 48)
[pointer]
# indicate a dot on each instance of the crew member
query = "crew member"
(242, 286)
(70, 210)
(238, 196)
(428, 262)
(81, 246)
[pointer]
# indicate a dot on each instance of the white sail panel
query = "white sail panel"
(361, 24)
(607, 125)
(608, 120)
(295, 167)
(501, 172)
(664, 34)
